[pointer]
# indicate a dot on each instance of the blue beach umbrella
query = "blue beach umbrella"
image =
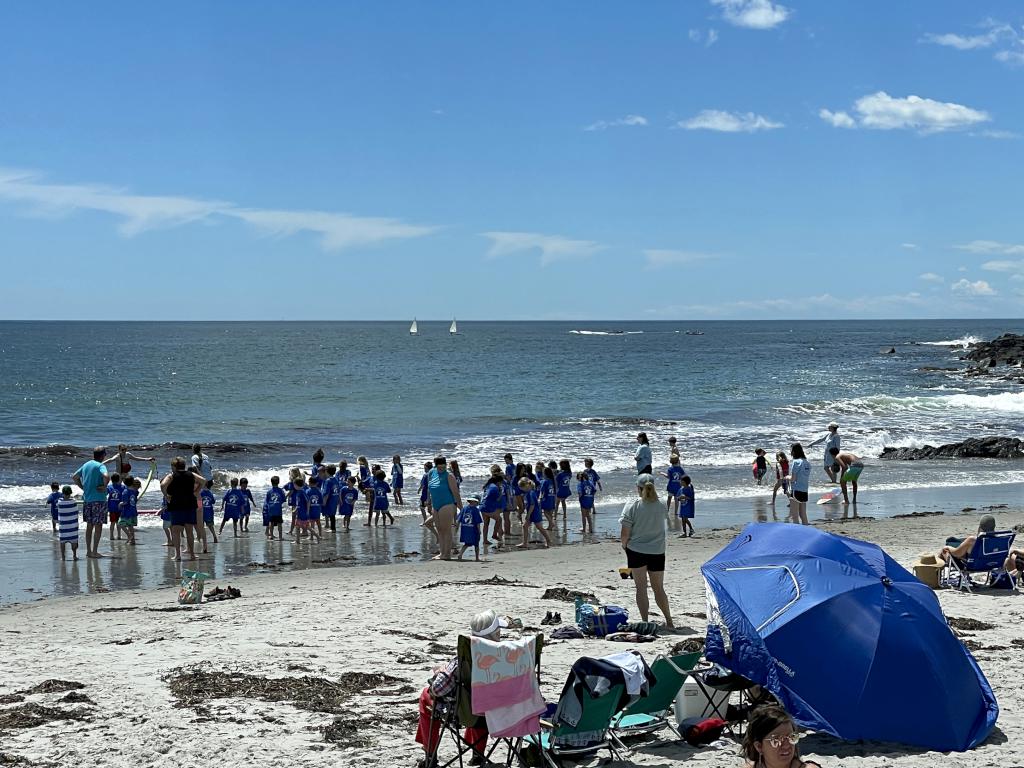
(850, 642)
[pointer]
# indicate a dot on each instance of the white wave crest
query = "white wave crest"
(880, 405)
(605, 333)
(963, 341)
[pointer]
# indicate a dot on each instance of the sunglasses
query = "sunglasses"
(776, 741)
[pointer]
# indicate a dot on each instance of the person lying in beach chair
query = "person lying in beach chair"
(447, 704)
(653, 712)
(985, 552)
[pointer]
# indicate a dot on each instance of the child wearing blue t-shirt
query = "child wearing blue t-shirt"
(315, 508)
(231, 507)
(347, 502)
(51, 502)
(248, 502)
(301, 508)
(470, 520)
(129, 509)
(209, 502)
(114, 490)
(674, 475)
(588, 467)
(330, 486)
(381, 489)
(425, 490)
(397, 479)
(531, 513)
(274, 503)
(686, 505)
(585, 490)
(563, 485)
(289, 490)
(548, 500)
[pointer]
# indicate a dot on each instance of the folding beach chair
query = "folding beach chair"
(988, 554)
(454, 713)
(591, 732)
(713, 681)
(653, 712)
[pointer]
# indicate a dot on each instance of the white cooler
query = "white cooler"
(692, 702)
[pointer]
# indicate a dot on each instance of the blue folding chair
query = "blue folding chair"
(988, 554)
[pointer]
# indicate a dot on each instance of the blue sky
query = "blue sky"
(659, 160)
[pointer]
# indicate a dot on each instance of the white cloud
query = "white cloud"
(931, 277)
(881, 111)
(1007, 39)
(712, 38)
(998, 134)
(991, 246)
(753, 14)
(837, 119)
(910, 246)
(728, 122)
(139, 213)
(964, 287)
(1003, 265)
(1013, 58)
(657, 258)
(628, 120)
(803, 306)
(552, 247)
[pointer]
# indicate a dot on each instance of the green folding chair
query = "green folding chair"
(653, 712)
(560, 740)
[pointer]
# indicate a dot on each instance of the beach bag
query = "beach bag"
(192, 585)
(699, 732)
(1000, 579)
(599, 621)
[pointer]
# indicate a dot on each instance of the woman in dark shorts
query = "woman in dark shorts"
(181, 488)
(643, 538)
(800, 482)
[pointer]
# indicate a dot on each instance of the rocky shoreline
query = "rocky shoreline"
(972, 448)
(1003, 357)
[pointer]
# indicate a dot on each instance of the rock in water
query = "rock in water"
(972, 448)
(1007, 349)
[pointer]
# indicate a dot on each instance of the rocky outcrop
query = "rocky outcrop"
(1007, 349)
(972, 448)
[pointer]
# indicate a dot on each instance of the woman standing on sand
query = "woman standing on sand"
(800, 481)
(446, 501)
(181, 488)
(644, 461)
(643, 539)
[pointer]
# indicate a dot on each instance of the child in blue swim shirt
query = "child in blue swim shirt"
(531, 513)
(381, 489)
(425, 490)
(129, 508)
(470, 520)
(274, 503)
(331, 489)
(347, 502)
(114, 490)
(563, 484)
(51, 502)
(248, 502)
(585, 490)
(231, 507)
(209, 501)
(397, 479)
(686, 509)
(548, 501)
(315, 508)
(674, 475)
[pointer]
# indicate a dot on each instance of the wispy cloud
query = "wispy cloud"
(880, 111)
(910, 246)
(965, 287)
(628, 120)
(708, 39)
(802, 306)
(552, 248)
(140, 213)
(1005, 265)
(659, 258)
(991, 247)
(931, 277)
(1007, 39)
(728, 122)
(753, 14)
(999, 134)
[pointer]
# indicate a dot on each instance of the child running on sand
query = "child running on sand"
(315, 508)
(129, 517)
(209, 502)
(114, 490)
(347, 502)
(563, 484)
(231, 506)
(397, 479)
(248, 502)
(686, 505)
(674, 474)
(274, 502)
(380, 498)
(425, 489)
(547, 496)
(67, 523)
(585, 490)
(470, 520)
(532, 513)
(51, 502)
(781, 475)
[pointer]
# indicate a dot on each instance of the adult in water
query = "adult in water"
(181, 488)
(200, 463)
(832, 441)
(643, 458)
(92, 478)
(850, 467)
(122, 466)
(446, 501)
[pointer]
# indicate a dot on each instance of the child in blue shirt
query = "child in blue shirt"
(51, 501)
(248, 502)
(301, 508)
(469, 527)
(425, 489)
(114, 490)
(331, 489)
(315, 508)
(563, 484)
(381, 489)
(289, 490)
(208, 501)
(231, 506)
(347, 502)
(686, 505)
(592, 473)
(531, 513)
(129, 517)
(397, 479)
(548, 500)
(674, 475)
(585, 490)
(274, 503)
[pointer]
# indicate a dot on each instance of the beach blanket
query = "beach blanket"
(504, 686)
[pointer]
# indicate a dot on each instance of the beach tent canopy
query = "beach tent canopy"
(847, 639)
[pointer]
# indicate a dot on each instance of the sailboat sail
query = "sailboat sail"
(454, 328)
(412, 328)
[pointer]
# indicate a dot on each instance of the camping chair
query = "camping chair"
(455, 712)
(713, 682)
(591, 733)
(653, 712)
(988, 554)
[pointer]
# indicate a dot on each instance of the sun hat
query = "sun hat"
(500, 622)
(929, 560)
(644, 479)
(927, 569)
(473, 497)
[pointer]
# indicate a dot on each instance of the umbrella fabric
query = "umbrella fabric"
(849, 641)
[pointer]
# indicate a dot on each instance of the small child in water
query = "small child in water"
(248, 502)
(674, 475)
(114, 490)
(231, 507)
(781, 475)
(129, 510)
(301, 508)
(380, 498)
(347, 502)
(314, 508)
(274, 502)
(67, 523)
(209, 502)
(397, 479)
(686, 505)
(760, 465)
(531, 512)
(585, 490)
(592, 474)
(51, 502)
(470, 520)
(563, 485)
(425, 490)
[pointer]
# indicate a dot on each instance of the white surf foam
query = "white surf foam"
(963, 341)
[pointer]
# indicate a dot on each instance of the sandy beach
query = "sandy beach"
(351, 625)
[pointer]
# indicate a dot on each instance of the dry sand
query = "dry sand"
(384, 619)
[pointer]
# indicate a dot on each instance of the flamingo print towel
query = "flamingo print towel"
(504, 686)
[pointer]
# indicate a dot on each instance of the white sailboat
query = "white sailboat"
(454, 328)
(413, 330)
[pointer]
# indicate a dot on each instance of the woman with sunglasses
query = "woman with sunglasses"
(771, 741)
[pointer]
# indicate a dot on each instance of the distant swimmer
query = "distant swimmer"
(850, 467)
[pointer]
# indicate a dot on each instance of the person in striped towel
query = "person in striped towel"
(67, 523)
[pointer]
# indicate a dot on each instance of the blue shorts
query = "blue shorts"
(536, 516)
(346, 512)
(398, 485)
(208, 516)
(673, 489)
